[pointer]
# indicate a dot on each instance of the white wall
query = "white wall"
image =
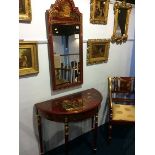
(37, 88)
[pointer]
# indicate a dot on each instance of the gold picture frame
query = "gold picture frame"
(97, 51)
(28, 58)
(25, 14)
(99, 11)
(122, 11)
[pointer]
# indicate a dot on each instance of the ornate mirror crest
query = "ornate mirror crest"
(121, 21)
(64, 10)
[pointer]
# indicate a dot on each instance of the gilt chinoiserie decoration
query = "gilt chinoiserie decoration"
(25, 14)
(122, 11)
(99, 11)
(64, 32)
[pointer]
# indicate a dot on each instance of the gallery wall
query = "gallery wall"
(34, 89)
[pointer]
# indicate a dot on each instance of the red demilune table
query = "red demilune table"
(71, 108)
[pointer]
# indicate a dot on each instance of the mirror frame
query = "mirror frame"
(63, 12)
(117, 7)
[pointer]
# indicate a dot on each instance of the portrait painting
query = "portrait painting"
(122, 11)
(28, 58)
(25, 14)
(25, 58)
(97, 51)
(99, 11)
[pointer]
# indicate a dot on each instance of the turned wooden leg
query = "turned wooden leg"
(66, 135)
(109, 132)
(92, 123)
(95, 132)
(110, 126)
(40, 135)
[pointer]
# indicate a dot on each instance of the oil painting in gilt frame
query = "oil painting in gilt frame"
(97, 51)
(25, 15)
(122, 11)
(28, 58)
(99, 11)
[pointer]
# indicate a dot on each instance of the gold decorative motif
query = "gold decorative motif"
(127, 109)
(74, 105)
(96, 116)
(66, 10)
(63, 9)
(66, 127)
(119, 112)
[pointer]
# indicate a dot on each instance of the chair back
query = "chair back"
(121, 90)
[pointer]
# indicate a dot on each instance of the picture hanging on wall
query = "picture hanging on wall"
(122, 11)
(28, 58)
(25, 15)
(99, 11)
(97, 51)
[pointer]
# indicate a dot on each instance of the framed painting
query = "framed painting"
(28, 58)
(122, 11)
(25, 15)
(99, 11)
(97, 51)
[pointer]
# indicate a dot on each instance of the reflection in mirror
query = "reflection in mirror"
(121, 22)
(64, 31)
(122, 14)
(66, 53)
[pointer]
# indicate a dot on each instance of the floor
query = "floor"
(123, 142)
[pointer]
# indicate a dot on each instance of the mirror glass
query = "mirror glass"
(66, 53)
(122, 14)
(65, 44)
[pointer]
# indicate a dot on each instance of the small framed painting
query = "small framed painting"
(99, 11)
(28, 58)
(25, 15)
(97, 51)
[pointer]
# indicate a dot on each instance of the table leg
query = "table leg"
(95, 132)
(92, 123)
(40, 135)
(66, 135)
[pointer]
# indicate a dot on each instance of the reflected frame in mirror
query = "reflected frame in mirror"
(120, 30)
(97, 51)
(63, 13)
(99, 11)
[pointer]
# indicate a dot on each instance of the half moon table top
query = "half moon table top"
(74, 107)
